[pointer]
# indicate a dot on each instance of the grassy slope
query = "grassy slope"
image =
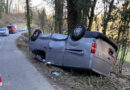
(128, 57)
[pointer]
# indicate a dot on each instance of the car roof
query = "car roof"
(11, 26)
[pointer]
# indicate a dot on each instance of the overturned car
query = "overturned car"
(81, 49)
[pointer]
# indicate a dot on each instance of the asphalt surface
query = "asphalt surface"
(16, 71)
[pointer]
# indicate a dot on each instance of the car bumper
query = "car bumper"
(4, 34)
(12, 32)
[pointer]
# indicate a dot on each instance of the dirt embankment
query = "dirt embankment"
(72, 79)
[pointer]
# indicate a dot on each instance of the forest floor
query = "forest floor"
(70, 79)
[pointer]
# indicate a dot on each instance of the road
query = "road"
(16, 71)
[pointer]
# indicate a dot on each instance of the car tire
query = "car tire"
(78, 32)
(36, 34)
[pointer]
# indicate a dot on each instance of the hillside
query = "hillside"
(16, 19)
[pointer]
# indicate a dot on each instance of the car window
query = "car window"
(10, 27)
(2, 29)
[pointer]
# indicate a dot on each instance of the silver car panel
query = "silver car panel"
(4, 31)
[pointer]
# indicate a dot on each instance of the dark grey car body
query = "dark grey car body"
(61, 50)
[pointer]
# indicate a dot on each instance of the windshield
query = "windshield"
(10, 27)
(2, 29)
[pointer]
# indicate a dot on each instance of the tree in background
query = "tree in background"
(10, 4)
(72, 15)
(83, 10)
(92, 8)
(28, 17)
(0, 8)
(42, 18)
(80, 12)
(76, 10)
(107, 15)
(59, 4)
(7, 6)
(124, 33)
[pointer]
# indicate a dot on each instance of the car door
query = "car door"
(55, 52)
(77, 53)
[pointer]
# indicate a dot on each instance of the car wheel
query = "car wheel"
(35, 34)
(78, 32)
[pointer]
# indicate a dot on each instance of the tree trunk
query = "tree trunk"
(92, 15)
(124, 34)
(7, 6)
(42, 19)
(72, 15)
(10, 5)
(106, 20)
(59, 15)
(0, 8)
(28, 17)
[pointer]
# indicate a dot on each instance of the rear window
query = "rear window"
(10, 27)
